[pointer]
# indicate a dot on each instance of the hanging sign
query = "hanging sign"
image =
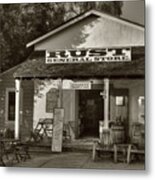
(88, 55)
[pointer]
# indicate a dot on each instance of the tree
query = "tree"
(21, 23)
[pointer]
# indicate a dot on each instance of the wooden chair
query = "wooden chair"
(5, 149)
(135, 148)
(138, 142)
(8, 151)
(22, 151)
(12, 150)
(1, 155)
(119, 151)
(44, 128)
(104, 146)
(122, 152)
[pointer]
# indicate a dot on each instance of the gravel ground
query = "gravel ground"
(78, 160)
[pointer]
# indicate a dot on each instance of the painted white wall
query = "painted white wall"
(41, 88)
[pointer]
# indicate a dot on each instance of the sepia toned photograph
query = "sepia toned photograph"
(72, 85)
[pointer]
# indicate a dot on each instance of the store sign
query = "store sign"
(88, 55)
(79, 85)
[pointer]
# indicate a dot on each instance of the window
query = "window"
(10, 105)
(51, 100)
(141, 111)
(120, 100)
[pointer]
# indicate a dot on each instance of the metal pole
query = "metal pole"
(60, 94)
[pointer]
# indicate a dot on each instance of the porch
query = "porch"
(90, 97)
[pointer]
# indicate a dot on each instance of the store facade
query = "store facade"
(92, 67)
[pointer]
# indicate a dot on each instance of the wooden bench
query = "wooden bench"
(127, 151)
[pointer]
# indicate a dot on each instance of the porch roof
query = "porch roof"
(35, 67)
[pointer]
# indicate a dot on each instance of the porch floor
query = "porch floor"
(81, 144)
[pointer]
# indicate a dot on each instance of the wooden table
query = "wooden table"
(22, 151)
(4, 151)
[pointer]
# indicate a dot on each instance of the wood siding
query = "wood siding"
(28, 100)
(7, 81)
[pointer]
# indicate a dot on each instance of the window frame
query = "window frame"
(141, 104)
(8, 90)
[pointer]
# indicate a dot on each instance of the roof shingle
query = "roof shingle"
(35, 67)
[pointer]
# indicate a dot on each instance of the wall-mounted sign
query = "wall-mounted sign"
(88, 55)
(80, 85)
(76, 85)
(51, 100)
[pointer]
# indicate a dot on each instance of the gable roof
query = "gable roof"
(81, 17)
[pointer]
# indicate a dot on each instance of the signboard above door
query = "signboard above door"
(88, 55)
(76, 85)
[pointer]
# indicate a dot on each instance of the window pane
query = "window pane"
(141, 111)
(11, 106)
(119, 100)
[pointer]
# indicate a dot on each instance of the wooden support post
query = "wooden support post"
(17, 108)
(60, 101)
(57, 136)
(115, 153)
(129, 153)
(94, 151)
(106, 103)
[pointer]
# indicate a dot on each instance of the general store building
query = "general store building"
(93, 67)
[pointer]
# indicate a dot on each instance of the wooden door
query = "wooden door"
(90, 112)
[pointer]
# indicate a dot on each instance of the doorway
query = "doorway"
(90, 112)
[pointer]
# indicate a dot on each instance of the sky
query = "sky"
(134, 11)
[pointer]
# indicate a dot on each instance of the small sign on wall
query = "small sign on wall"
(76, 85)
(51, 100)
(57, 130)
(80, 85)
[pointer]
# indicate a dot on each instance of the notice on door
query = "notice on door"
(57, 130)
